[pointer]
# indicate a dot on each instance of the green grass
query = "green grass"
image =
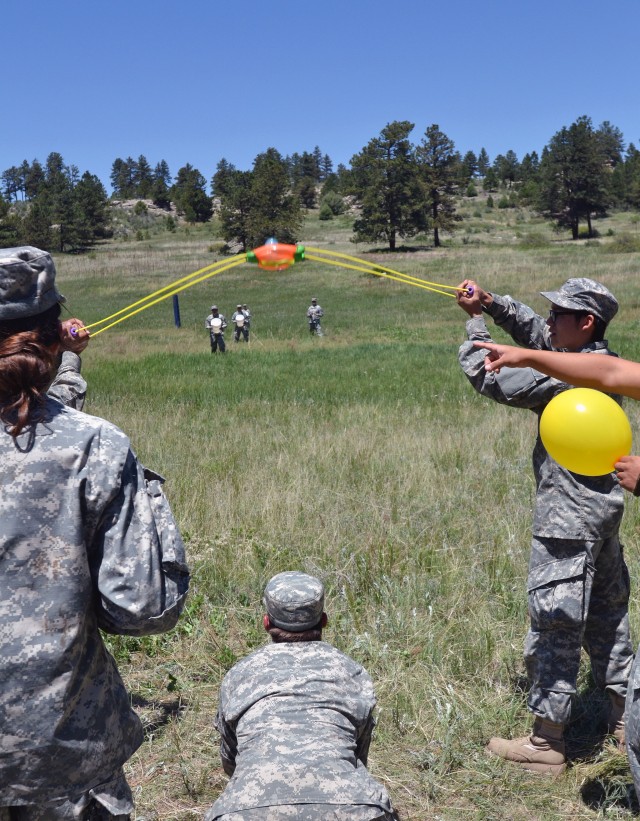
(366, 458)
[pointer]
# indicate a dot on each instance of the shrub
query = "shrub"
(623, 244)
(334, 202)
(472, 191)
(140, 208)
(325, 212)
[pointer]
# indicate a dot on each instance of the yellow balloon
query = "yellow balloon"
(585, 431)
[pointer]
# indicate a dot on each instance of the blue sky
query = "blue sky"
(193, 81)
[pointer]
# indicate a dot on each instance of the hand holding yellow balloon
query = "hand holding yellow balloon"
(585, 431)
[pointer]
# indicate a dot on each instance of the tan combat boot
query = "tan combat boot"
(542, 751)
(615, 719)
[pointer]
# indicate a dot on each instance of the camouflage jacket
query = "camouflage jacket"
(69, 386)
(568, 506)
(295, 722)
(208, 324)
(314, 312)
(87, 541)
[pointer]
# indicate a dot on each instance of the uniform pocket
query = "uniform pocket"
(557, 593)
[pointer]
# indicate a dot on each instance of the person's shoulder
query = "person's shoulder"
(84, 424)
(332, 653)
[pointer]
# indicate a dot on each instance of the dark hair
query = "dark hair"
(280, 636)
(27, 361)
(599, 329)
(599, 325)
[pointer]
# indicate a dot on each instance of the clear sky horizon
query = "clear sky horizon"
(198, 81)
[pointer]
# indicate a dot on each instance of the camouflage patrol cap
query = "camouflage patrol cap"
(294, 601)
(582, 294)
(27, 282)
(214, 308)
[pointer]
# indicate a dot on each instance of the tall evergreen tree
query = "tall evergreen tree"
(483, 162)
(143, 178)
(507, 168)
(574, 177)
(34, 179)
(9, 226)
(160, 188)
(469, 168)
(11, 183)
(190, 196)
(384, 180)
(36, 228)
(611, 143)
(233, 189)
(275, 211)
(56, 198)
(326, 168)
(92, 208)
(123, 178)
(437, 161)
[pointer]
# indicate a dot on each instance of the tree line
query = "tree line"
(400, 189)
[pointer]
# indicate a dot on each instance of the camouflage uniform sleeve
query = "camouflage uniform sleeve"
(228, 744)
(69, 387)
(138, 558)
(364, 740)
(518, 387)
(524, 326)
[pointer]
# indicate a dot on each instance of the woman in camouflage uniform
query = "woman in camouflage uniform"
(87, 542)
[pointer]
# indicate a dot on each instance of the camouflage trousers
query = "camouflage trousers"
(217, 343)
(59, 812)
(632, 722)
(578, 597)
(311, 812)
(111, 801)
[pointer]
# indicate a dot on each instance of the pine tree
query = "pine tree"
(143, 178)
(437, 162)
(274, 211)
(190, 196)
(233, 189)
(160, 188)
(92, 208)
(384, 179)
(574, 177)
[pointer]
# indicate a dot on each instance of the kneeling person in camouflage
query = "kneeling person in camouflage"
(295, 720)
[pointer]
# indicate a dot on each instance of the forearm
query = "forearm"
(585, 370)
(69, 387)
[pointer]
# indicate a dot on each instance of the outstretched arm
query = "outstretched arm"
(586, 370)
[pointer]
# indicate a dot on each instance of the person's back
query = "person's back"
(87, 542)
(295, 720)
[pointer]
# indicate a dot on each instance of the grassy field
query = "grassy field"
(366, 458)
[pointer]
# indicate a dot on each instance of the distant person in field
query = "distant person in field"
(239, 319)
(578, 583)
(314, 313)
(247, 319)
(215, 323)
(87, 544)
(592, 371)
(295, 721)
